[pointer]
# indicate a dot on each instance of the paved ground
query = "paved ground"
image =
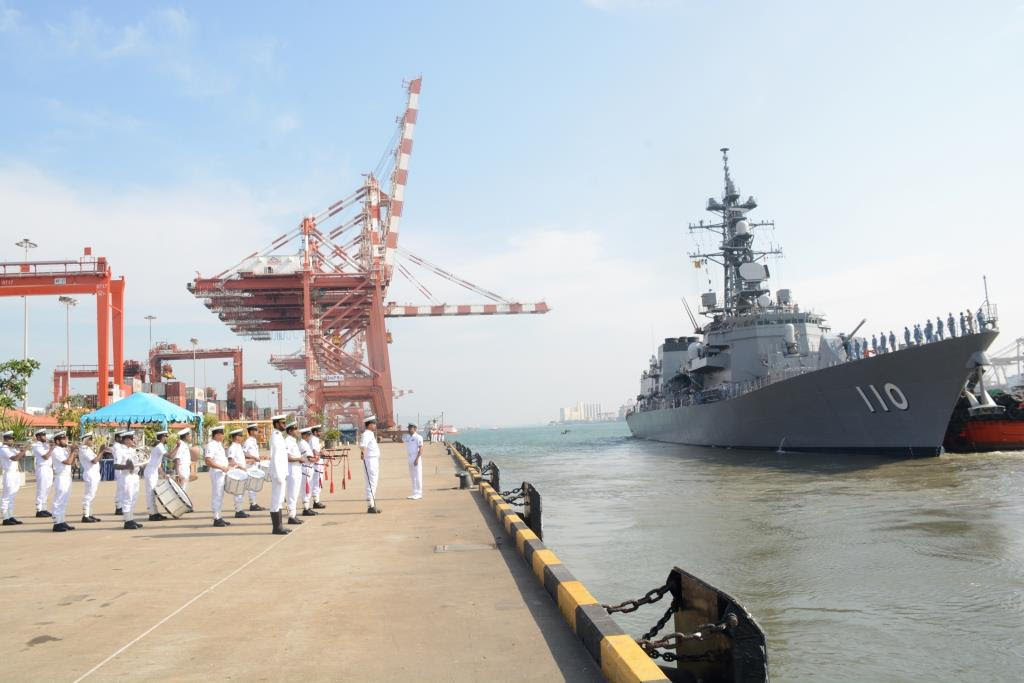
(347, 596)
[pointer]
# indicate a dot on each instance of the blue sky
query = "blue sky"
(561, 149)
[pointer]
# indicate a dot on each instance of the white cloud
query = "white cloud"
(9, 18)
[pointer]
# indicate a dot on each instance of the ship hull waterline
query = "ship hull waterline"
(895, 404)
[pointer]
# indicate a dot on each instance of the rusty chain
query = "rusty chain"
(649, 598)
(673, 640)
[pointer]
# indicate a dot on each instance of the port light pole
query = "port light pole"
(25, 244)
(68, 302)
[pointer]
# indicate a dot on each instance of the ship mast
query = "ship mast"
(740, 289)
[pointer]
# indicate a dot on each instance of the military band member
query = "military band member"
(90, 464)
(414, 451)
(278, 472)
(217, 461)
(308, 469)
(124, 462)
(369, 453)
(44, 472)
(294, 471)
(183, 458)
(236, 459)
(153, 472)
(251, 448)
(115, 451)
(318, 480)
(63, 459)
(10, 467)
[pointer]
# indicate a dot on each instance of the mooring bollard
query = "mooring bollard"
(465, 479)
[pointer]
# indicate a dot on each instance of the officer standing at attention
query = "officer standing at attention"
(217, 460)
(874, 344)
(152, 474)
(981, 320)
(124, 462)
(63, 459)
(11, 470)
(928, 331)
(278, 472)
(90, 464)
(236, 457)
(369, 453)
(963, 325)
(881, 345)
(183, 458)
(115, 450)
(308, 470)
(892, 341)
(906, 335)
(251, 448)
(44, 472)
(414, 450)
(317, 484)
(939, 332)
(951, 322)
(291, 446)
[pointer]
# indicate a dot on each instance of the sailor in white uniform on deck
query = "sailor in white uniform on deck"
(251, 448)
(318, 480)
(217, 461)
(44, 472)
(236, 458)
(10, 468)
(278, 472)
(63, 459)
(124, 462)
(414, 449)
(153, 471)
(369, 453)
(308, 469)
(183, 458)
(115, 451)
(90, 464)
(291, 445)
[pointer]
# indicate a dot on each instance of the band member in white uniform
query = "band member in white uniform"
(124, 462)
(154, 470)
(369, 453)
(90, 464)
(63, 459)
(251, 448)
(308, 469)
(236, 459)
(44, 472)
(278, 472)
(183, 458)
(217, 461)
(115, 450)
(318, 480)
(10, 466)
(291, 445)
(414, 449)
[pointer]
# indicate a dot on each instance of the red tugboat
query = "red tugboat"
(993, 419)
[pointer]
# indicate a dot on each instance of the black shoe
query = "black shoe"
(131, 525)
(275, 518)
(119, 512)
(373, 510)
(256, 507)
(86, 520)
(294, 520)
(61, 527)
(67, 527)
(157, 518)
(319, 506)
(138, 525)
(241, 515)
(308, 513)
(43, 513)
(94, 519)
(219, 522)
(16, 521)
(10, 521)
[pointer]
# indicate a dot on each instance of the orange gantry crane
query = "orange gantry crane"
(86, 275)
(329, 277)
(275, 386)
(62, 376)
(163, 352)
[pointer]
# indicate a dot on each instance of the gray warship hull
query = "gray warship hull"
(896, 404)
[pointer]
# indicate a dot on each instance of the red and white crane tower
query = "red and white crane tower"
(329, 277)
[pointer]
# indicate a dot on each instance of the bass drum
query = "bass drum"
(172, 498)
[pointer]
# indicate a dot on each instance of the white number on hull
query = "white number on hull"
(895, 395)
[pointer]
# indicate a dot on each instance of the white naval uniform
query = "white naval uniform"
(236, 456)
(11, 480)
(90, 464)
(125, 456)
(413, 446)
(318, 480)
(215, 452)
(152, 474)
(308, 471)
(44, 473)
(116, 449)
(182, 463)
(62, 482)
(371, 463)
(278, 470)
(294, 474)
(251, 448)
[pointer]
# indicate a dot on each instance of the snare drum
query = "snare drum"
(256, 479)
(235, 482)
(265, 466)
(172, 498)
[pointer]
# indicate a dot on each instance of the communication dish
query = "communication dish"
(753, 272)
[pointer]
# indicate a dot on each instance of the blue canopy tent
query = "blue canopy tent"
(142, 408)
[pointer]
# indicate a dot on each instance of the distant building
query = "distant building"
(586, 412)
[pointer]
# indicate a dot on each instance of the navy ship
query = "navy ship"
(763, 373)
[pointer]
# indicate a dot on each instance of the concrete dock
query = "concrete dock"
(428, 590)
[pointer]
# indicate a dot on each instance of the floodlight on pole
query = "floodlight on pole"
(150, 319)
(195, 394)
(68, 302)
(25, 244)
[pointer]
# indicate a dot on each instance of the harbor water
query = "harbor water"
(857, 568)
